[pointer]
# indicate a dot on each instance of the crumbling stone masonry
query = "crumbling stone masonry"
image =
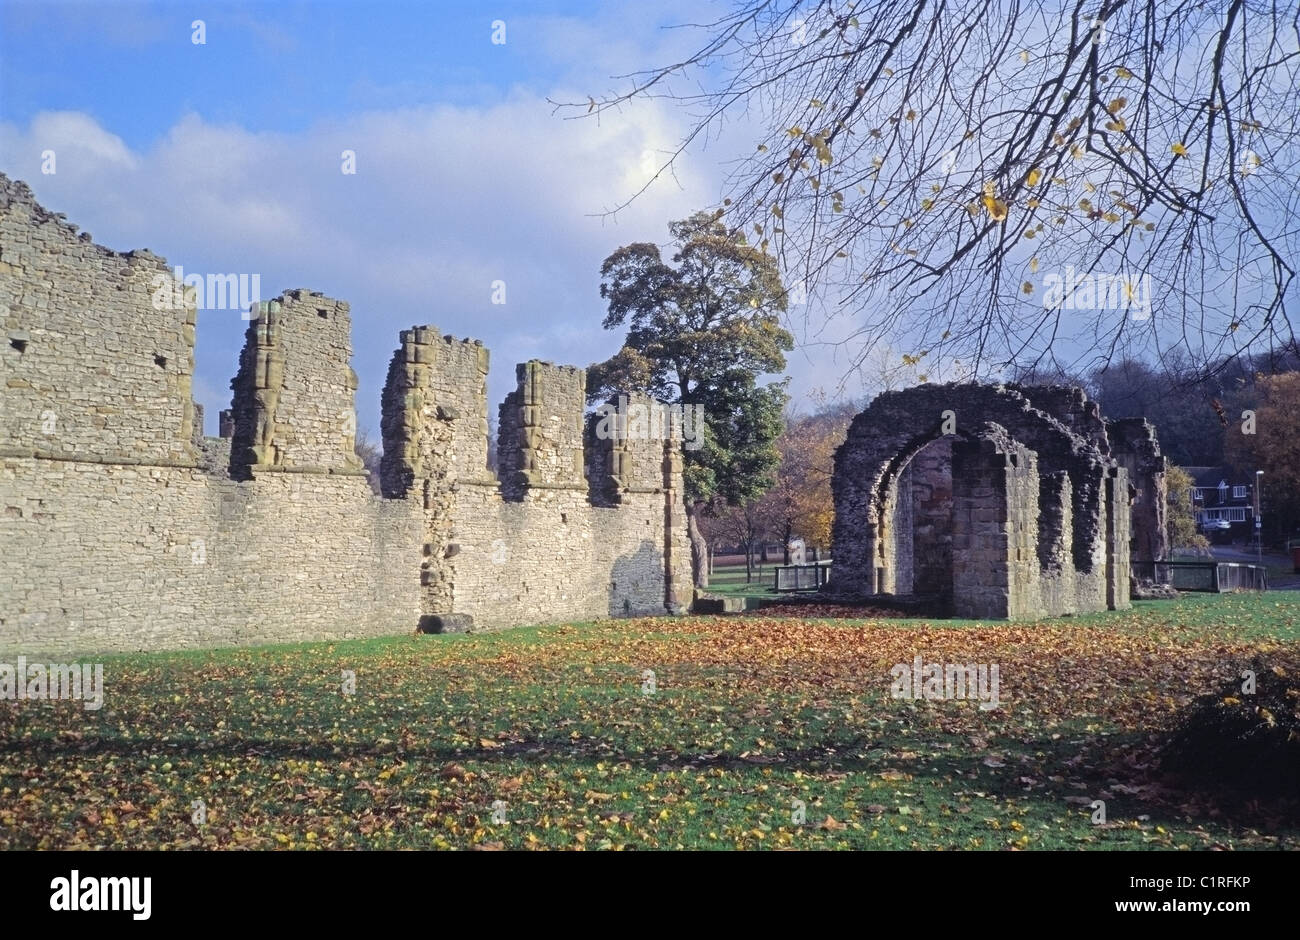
(122, 528)
(1002, 502)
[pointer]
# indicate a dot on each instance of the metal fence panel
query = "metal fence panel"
(801, 577)
(1209, 576)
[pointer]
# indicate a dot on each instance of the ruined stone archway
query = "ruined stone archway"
(1040, 507)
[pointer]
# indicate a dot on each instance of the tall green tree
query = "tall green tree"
(702, 329)
(935, 167)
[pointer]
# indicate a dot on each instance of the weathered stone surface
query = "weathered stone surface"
(446, 623)
(1144, 589)
(716, 604)
(82, 332)
(123, 528)
(1134, 444)
(1000, 501)
(293, 400)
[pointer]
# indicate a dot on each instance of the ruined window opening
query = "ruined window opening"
(160, 361)
(1053, 553)
(19, 344)
(322, 313)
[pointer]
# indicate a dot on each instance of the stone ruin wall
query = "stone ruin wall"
(578, 526)
(995, 527)
(294, 406)
(923, 548)
(90, 370)
(1134, 445)
(124, 529)
(1028, 510)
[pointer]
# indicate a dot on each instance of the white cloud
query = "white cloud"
(82, 145)
(445, 201)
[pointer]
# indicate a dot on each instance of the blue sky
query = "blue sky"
(225, 157)
(269, 66)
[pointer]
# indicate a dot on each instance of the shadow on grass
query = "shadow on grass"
(1120, 769)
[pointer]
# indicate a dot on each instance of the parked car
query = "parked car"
(1216, 525)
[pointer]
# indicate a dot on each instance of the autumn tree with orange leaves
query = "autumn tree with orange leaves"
(1271, 442)
(800, 504)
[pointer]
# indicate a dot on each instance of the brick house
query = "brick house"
(1218, 494)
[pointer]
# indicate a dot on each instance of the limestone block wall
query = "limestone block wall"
(1057, 575)
(123, 528)
(552, 555)
(893, 514)
(434, 404)
(900, 542)
(1134, 444)
(932, 515)
(90, 368)
(918, 547)
(617, 458)
(1072, 407)
(577, 527)
(540, 424)
(1118, 533)
(995, 526)
(897, 425)
(111, 557)
(294, 405)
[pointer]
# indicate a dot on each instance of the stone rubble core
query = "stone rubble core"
(123, 528)
(1029, 506)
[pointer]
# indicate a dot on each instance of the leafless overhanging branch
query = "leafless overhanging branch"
(938, 174)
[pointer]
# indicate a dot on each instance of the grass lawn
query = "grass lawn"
(557, 731)
(729, 580)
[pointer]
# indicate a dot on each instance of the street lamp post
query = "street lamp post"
(1259, 535)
